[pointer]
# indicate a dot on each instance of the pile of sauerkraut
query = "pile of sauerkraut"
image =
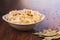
(24, 16)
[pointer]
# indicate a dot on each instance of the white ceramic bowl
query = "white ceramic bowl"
(22, 26)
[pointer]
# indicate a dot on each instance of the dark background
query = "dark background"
(8, 5)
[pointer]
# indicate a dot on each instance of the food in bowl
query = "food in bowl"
(24, 16)
(23, 19)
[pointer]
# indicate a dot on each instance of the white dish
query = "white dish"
(22, 26)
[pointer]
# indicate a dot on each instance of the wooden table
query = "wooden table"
(9, 33)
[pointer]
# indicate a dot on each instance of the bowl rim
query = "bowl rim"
(3, 17)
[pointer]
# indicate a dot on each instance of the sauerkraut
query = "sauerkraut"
(24, 16)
